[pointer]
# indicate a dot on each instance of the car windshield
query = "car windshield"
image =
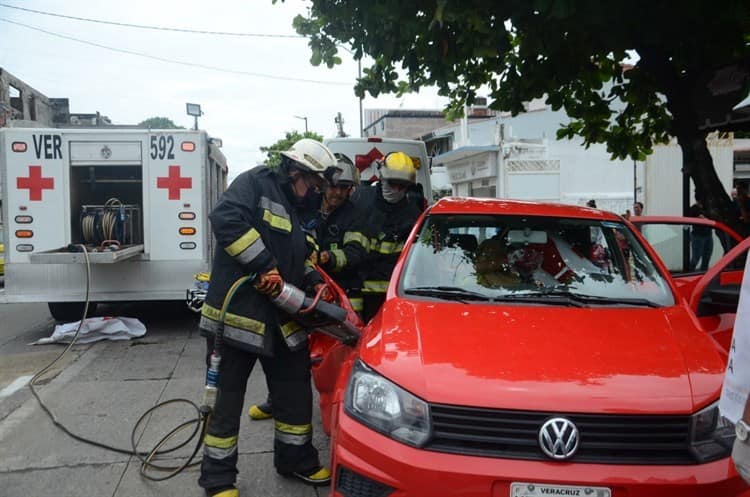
(564, 261)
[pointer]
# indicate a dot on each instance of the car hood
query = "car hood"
(598, 359)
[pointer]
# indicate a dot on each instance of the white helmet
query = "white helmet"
(311, 155)
(344, 173)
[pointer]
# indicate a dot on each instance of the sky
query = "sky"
(273, 80)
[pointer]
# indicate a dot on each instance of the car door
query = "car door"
(714, 291)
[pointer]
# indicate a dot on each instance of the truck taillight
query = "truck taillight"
(188, 245)
(187, 146)
(25, 247)
(187, 231)
(24, 219)
(374, 139)
(18, 146)
(186, 216)
(24, 233)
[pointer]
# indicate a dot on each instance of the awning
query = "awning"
(462, 153)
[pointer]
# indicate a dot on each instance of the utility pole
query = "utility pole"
(305, 119)
(339, 120)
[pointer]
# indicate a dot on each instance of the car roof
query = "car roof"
(470, 205)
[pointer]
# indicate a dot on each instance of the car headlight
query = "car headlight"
(385, 407)
(711, 434)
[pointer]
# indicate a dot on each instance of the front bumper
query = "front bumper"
(414, 472)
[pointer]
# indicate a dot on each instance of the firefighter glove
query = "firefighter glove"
(270, 282)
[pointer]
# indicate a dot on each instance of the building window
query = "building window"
(16, 99)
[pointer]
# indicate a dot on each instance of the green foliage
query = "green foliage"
(567, 50)
(291, 137)
(159, 123)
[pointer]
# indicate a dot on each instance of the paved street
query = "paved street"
(99, 392)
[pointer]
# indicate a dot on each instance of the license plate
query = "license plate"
(518, 489)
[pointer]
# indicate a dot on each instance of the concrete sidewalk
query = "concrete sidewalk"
(101, 395)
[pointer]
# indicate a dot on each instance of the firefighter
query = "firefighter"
(258, 227)
(389, 217)
(343, 243)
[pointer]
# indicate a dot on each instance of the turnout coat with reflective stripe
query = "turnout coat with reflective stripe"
(388, 226)
(256, 229)
(343, 233)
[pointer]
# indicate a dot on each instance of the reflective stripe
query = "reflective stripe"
(277, 221)
(242, 242)
(296, 339)
(215, 453)
(389, 247)
(243, 336)
(289, 439)
(339, 259)
(250, 253)
(218, 447)
(357, 304)
(374, 286)
(312, 243)
(289, 328)
(234, 320)
(209, 324)
(355, 236)
(220, 442)
(275, 214)
(293, 429)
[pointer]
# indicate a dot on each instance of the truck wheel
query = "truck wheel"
(67, 312)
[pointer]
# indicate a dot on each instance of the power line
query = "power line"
(156, 28)
(179, 62)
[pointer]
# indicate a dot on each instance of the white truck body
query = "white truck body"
(363, 151)
(52, 178)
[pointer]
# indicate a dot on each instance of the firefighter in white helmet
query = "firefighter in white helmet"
(390, 216)
(258, 227)
(341, 233)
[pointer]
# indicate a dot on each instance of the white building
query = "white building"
(519, 157)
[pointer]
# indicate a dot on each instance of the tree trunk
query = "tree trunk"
(698, 164)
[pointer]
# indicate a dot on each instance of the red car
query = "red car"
(529, 350)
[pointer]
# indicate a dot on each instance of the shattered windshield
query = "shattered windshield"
(581, 262)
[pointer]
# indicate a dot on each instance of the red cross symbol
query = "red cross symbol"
(174, 182)
(34, 183)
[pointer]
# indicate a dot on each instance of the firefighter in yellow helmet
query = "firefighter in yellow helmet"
(390, 216)
(258, 225)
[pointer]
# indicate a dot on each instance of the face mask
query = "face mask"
(391, 195)
(309, 202)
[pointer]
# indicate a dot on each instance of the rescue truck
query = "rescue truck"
(364, 152)
(137, 199)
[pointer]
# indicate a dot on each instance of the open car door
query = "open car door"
(711, 286)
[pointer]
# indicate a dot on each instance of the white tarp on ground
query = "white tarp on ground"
(95, 329)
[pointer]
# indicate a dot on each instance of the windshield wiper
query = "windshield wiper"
(597, 299)
(447, 293)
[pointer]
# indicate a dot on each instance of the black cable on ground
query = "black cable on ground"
(146, 457)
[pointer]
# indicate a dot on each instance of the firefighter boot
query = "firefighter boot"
(258, 412)
(317, 477)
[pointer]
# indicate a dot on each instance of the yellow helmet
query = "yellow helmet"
(398, 167)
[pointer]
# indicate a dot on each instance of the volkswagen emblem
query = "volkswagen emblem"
(559, 438)
(106, 152)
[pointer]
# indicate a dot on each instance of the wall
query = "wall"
(33, 110)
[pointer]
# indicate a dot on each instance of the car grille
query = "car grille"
(351, 484)
(605, 438)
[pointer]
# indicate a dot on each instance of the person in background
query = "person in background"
(258, 228)
(701, 239)
(591, 203)
(389, 216)
(637, 208)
